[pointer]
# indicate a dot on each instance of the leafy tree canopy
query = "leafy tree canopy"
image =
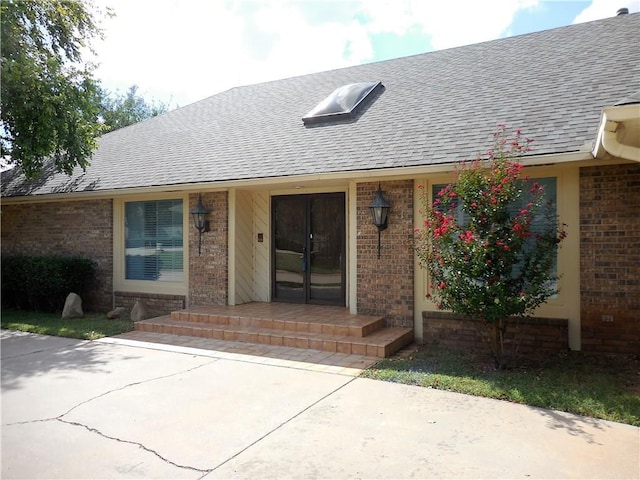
(122, 110)
(50, 100)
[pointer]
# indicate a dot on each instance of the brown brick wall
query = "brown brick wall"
(157, 304)
(529, 337)
(73, 228)
(610, 258)
(385, 285)
(208, 272)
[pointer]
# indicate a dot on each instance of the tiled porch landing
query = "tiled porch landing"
(315, 327)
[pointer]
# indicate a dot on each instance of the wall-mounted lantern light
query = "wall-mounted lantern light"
(200, 220)
(379, 209)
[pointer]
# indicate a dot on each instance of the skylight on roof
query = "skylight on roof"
(342, 103)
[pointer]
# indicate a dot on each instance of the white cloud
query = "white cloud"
(605, 8)
(183, 51)
(449, 24)
(300, 47)
(184, 45)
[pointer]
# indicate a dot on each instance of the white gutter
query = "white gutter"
(614, 119)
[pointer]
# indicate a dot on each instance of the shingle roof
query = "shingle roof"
(438, 107)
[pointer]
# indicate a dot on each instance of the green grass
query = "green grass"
(91, 327)
(605, 387)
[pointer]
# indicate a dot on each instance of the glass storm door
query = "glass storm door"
(308, 249)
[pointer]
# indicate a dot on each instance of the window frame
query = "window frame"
(120, 282)
(557, 302)
(461, 216)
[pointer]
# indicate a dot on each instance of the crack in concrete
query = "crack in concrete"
(133, 384)
(94, 430)
(128, 385)
(131, 442)
(27, 422)
(204, 471)
(282, 424)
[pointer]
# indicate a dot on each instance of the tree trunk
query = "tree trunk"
(498, 344)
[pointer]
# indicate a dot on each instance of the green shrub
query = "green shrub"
(490, 240)
(43, 283)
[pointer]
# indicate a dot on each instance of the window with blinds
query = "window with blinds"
(542, 222)
(154, 243)
(545, 219)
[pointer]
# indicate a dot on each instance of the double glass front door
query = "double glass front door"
(309, 248)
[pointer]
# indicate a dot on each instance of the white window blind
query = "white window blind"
(154, 240)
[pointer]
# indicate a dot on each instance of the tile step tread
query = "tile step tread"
(287, 312)
(232, 322)
(380, 337)
(356, 321)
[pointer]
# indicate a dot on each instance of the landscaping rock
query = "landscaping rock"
(115, 313)
(139, 311)
(72, 306)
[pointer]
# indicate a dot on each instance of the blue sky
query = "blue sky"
(181, 51)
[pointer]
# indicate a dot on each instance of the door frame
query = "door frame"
(307, 222)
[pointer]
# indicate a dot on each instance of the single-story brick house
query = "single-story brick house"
(288, 186)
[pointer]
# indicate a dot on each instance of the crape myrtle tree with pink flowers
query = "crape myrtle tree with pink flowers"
(489, 241)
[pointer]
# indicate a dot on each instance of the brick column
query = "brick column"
(208, 272)
(385, 285)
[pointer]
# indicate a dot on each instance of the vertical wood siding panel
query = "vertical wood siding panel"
(244, 248)
(261, 251)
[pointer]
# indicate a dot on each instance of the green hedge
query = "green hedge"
(43, 283)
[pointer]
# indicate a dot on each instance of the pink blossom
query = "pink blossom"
(467, 237)
(517, 228)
